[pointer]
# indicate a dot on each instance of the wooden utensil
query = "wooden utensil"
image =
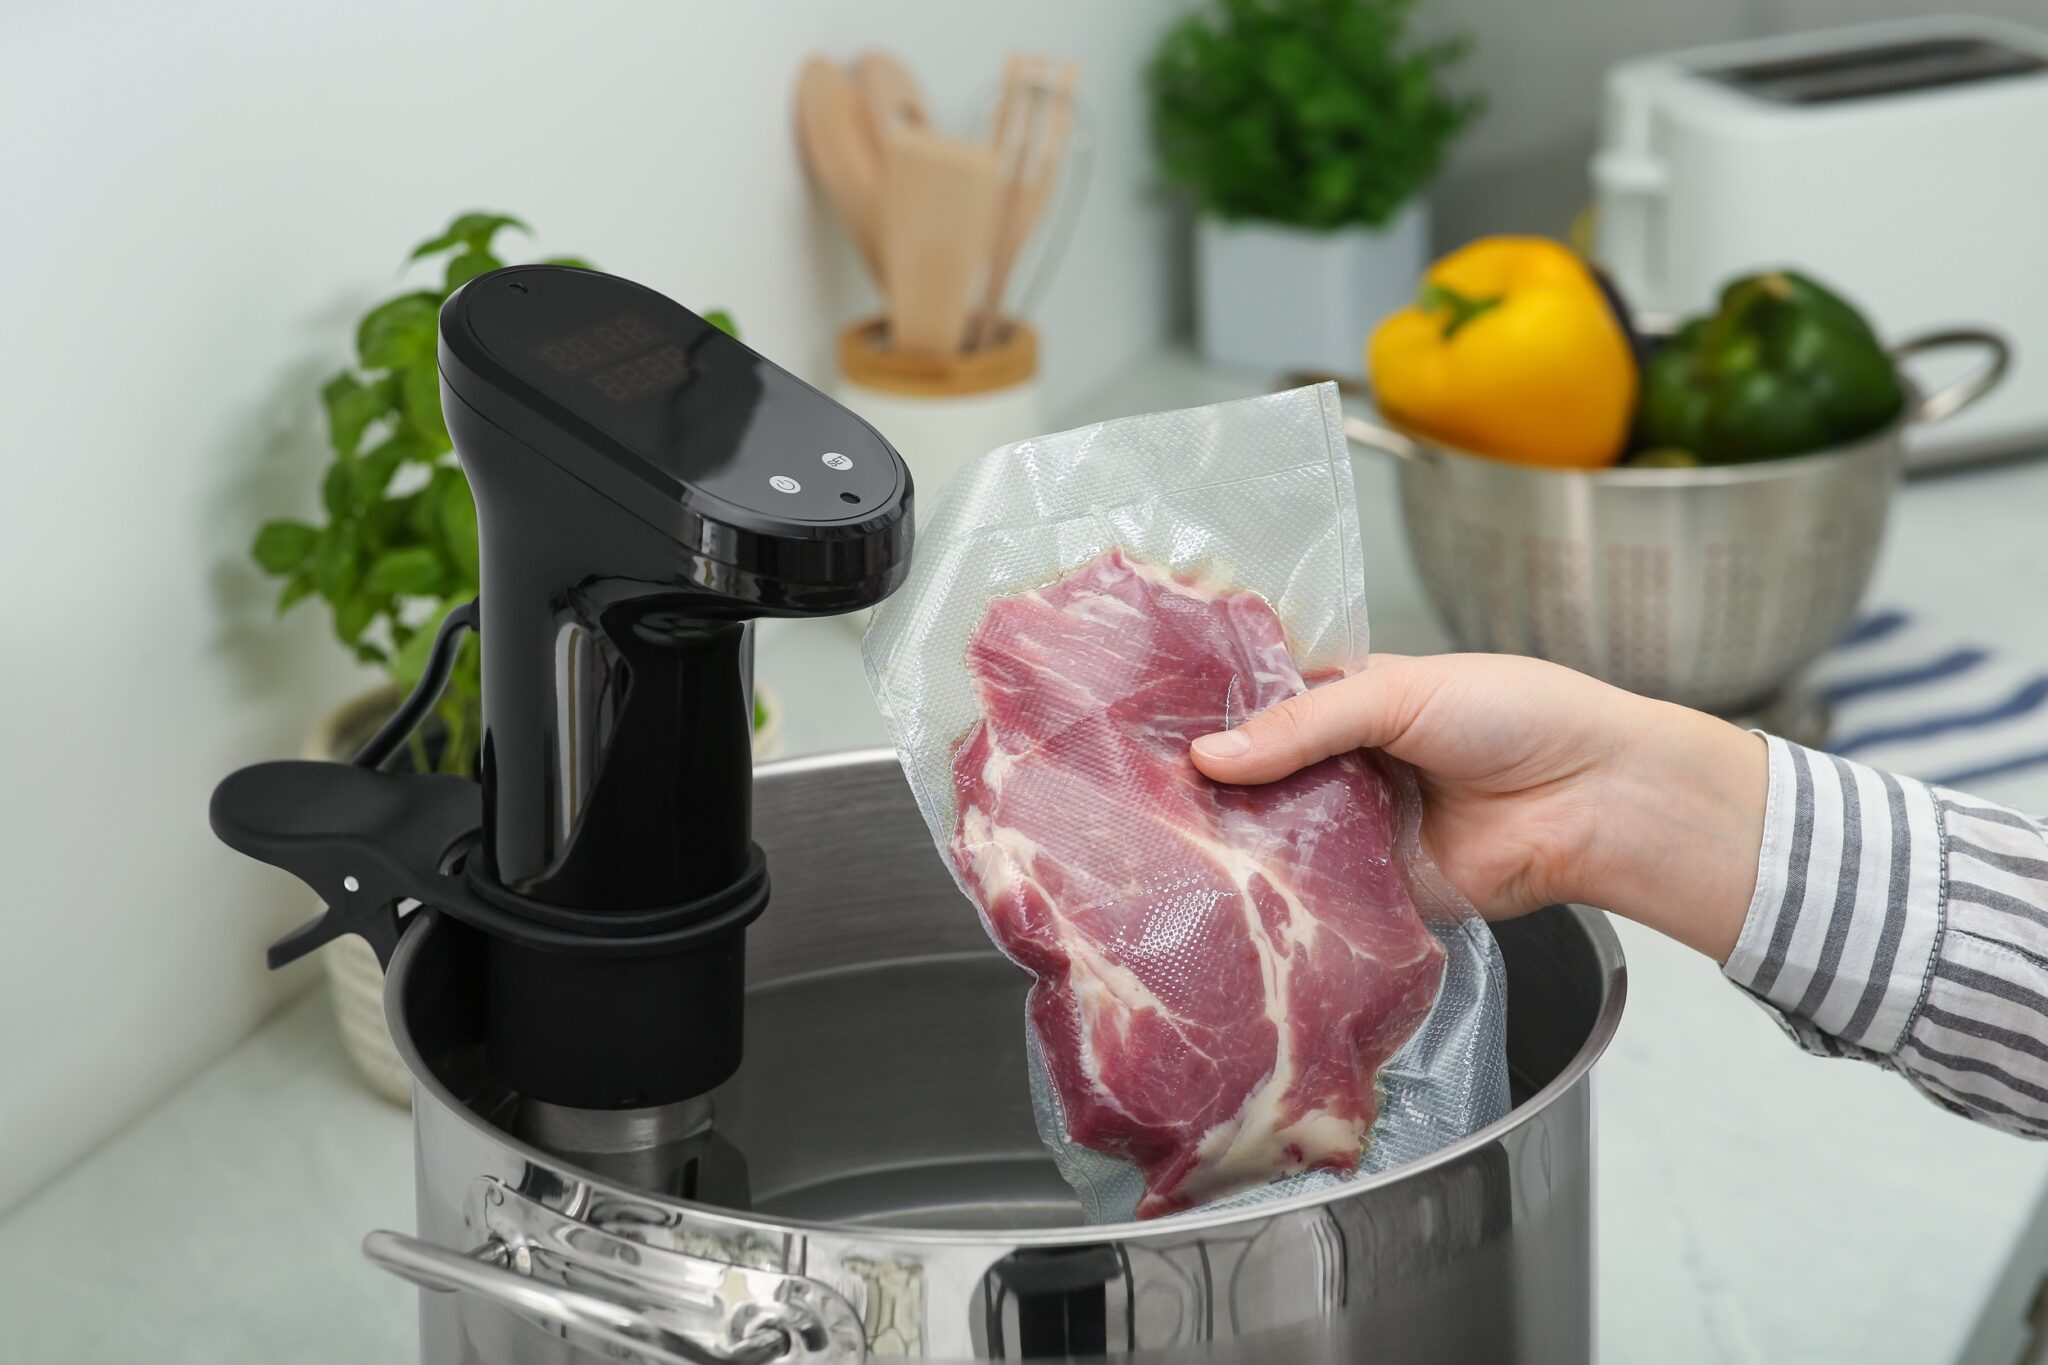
(1032, 119)
(889, 96)
(1019, 72)
(938, 211)
(832, 130)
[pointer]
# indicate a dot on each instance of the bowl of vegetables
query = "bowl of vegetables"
(1690, 511)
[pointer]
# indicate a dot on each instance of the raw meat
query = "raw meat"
(1222, 971)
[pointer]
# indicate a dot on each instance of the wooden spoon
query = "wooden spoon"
(938, 212)
(889, 96)
(831, 127)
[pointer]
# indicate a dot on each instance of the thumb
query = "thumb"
(1363, 711)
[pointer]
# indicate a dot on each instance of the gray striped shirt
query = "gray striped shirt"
(1905, 925)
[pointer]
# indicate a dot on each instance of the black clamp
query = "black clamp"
(369, 842)
(365, 840)
(621, 1008)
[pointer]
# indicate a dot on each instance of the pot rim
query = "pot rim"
(1607, 955)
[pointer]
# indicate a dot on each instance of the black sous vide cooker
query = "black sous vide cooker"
(646, 487)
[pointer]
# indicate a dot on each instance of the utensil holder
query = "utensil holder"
(941, 412)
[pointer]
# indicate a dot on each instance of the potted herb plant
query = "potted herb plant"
(394, 550)
(1305, 130)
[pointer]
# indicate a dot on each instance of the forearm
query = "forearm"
(1875, 917)
(1675, 835)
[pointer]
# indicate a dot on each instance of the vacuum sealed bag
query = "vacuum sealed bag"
(1240, 992)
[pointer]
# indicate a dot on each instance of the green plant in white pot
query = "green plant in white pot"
(395, 549)
(1306, 131)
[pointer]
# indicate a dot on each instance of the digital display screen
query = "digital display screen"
(654, 406)
(624, 358)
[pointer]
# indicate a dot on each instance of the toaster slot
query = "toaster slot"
(1884, 69)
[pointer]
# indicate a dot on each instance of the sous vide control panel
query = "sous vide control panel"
(686, 409)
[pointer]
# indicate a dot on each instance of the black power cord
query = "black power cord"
(440, 663)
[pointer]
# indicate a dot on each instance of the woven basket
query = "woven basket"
(355, 982)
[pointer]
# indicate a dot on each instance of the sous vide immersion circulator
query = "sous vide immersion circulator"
(646, 486)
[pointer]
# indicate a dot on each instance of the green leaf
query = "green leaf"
(386, 523)
(282, 547)
(338, 489)
(353, 614)
(573, 262)
(351, 406)
(466, 680)
(421, 385)
(374, 470)
(411, 660)
(425, 518)
(467, 267)
(369, 653)
(337, 563)
(473, 230)
(1333, 186)
(439, 242)
(457, 515)
(296, 591)
(412, 571)
(1320, 113)
(722, 320)
(398, 331)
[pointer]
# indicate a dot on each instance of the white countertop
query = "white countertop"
(1755, 1204)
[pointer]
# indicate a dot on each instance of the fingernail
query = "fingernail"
(1224, 744)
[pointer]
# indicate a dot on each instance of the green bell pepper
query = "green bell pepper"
(1782, 367)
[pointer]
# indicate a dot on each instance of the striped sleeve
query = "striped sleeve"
(1905, 925)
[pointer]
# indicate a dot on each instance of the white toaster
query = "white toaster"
(1903, 163)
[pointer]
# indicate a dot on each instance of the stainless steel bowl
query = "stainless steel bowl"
(1712, 587)
(902, 1205)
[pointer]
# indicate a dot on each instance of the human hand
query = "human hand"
(1540, 785)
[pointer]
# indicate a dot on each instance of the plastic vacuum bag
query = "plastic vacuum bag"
(1219, 971)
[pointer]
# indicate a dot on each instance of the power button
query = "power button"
(782, 483)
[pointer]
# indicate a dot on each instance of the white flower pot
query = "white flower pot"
(355, 981)
(1283, 298)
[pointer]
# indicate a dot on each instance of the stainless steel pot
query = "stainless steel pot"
(1710, 587)
(902, 1205)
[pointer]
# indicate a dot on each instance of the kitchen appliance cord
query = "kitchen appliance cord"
(434, 677)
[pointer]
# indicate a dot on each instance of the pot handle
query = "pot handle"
(784, 1333)
(1952, 398)
(1386, 440)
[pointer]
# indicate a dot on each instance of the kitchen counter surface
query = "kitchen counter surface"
(1754, 1204)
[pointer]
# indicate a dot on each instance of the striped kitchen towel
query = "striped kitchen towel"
(1912, 701)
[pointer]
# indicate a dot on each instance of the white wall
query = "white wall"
(195, 202)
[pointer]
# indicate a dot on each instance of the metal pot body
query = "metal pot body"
(1711, 587)
(902, 1205)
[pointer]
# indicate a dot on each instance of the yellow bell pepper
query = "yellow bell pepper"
(1512, 350)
